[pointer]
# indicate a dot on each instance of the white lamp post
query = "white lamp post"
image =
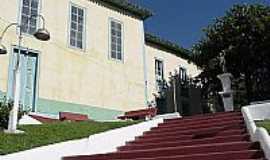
(41, 34)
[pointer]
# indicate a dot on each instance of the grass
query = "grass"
(40, 135)
(265, 124)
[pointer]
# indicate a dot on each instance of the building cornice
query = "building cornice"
(126, 7)
(162, 44)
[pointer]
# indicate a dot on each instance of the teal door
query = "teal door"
(29, 70)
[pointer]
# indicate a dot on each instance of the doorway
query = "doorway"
(29, 62)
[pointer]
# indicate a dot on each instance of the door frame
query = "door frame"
(38, 53)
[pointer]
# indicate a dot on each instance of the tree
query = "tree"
(244, 35)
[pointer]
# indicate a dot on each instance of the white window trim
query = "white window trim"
(163, 64)
(185, 69)
(122, 38)
(19, 17)
(157, 87)
(83, 49)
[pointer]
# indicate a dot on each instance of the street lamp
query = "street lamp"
(41, 34)
(3, 49)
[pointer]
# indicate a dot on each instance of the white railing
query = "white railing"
(258, 112)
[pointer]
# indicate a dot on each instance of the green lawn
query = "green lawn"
(265, 124)
(40, 135)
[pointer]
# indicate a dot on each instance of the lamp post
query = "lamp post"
(41, 34)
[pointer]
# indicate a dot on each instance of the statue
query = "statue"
(222, 59)
(227, 93)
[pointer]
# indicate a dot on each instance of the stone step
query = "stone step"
(221, 136)
(231, 155)
(187, 150)
(199, 121)
(221, 139)
(195, 132)
(198, 124)
(188, 137)
(195, 128)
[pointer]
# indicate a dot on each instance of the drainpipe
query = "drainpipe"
(174, 95)
(144, 64)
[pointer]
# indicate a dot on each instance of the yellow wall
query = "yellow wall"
(88, 77)
(84, 77)
(170, 62)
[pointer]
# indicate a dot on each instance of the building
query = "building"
(99, 60)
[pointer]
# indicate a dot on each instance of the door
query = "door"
(28, 80)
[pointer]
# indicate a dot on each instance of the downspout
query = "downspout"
(144, 65)
(174, 95)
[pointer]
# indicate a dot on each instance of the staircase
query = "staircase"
(221, 136)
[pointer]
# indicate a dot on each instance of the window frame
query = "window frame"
(110, 40)
(163, 68)
(19, 17)
(38, 52)
(83, 49)
(183, 77)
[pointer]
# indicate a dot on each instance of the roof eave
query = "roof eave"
(167, 46)
(126, 8)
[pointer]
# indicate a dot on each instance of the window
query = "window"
(28, 21)
(183, 74)
(77, 28)
(159, 70)
(116, 42)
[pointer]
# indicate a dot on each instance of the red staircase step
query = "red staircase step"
(163, 139)
(195, 128)
(221, 136)
(207, 116)
(232, 155)
(202, 118)
(213, 114)
(187, 150)
(229, 155)
(204, 131)
(186, 137)
(198, 124)
(200, 121)
(221, 139)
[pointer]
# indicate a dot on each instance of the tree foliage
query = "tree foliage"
(244, 35)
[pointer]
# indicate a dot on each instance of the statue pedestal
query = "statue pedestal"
(227, 94)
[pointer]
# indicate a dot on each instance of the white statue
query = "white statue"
(227, 93)
(222, 55)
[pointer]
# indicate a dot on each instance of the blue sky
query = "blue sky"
(182, 21)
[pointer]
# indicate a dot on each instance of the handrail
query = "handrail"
(257, 134)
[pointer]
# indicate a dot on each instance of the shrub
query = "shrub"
(5, 108)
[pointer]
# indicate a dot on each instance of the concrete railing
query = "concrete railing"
(254, 113)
